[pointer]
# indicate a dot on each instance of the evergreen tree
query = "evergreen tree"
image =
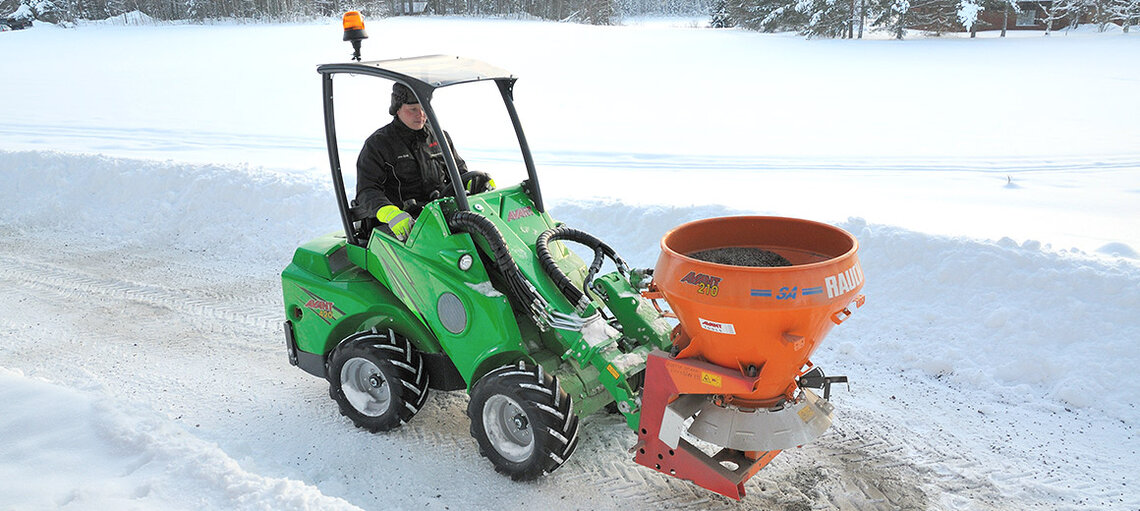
(596, 12)
(767, 15)
(826, 18)
(935, 16)
(720, 17)
(968, 11)
(52, 11)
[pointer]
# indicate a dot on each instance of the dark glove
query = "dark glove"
(475, 181)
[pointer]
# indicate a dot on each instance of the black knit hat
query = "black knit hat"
(401, 95)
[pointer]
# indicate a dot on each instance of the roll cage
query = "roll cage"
(423, 75)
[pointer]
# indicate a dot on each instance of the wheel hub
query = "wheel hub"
(362, 383)
(508, 428)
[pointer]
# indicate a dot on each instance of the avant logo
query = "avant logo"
(519, 213)
(697, 279)
(321, 306)
(325, 309)
(706, 284)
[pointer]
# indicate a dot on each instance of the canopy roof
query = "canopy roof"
(433, 71)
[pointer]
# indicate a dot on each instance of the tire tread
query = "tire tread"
(554, 423)
(394, 352)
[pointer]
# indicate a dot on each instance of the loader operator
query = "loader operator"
(401, 168)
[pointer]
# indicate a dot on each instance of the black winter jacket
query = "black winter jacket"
(398, 164)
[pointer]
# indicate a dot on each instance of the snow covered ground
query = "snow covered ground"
(154, 180)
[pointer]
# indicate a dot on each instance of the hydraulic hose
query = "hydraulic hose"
(576, 296)
(519, 287)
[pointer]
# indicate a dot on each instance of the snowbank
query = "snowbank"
(90, 452)
(237, 213)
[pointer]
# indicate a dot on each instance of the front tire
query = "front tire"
(523, 421)
(377, 379)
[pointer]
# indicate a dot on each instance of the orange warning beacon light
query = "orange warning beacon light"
(354, 32)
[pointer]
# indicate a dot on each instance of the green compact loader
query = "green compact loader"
(482, 296)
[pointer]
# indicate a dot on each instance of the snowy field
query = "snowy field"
(154, 181)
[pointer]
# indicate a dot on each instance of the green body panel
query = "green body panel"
(425, 268)
(333, 290)
(327, 298)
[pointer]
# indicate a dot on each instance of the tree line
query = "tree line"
(598, 12)
(813, 18)
(851, 18)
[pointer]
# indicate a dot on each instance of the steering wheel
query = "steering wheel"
(476, 182)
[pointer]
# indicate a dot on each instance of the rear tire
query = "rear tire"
(377, 379)
(523, 421)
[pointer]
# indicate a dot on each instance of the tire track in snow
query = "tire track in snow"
(856, 472)
(927, 451)
(257, 312)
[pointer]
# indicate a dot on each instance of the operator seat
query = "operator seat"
(362, 223)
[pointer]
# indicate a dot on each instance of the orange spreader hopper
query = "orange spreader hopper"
(741, 367)
(769, 319)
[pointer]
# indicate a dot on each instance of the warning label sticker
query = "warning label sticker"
(720, 328)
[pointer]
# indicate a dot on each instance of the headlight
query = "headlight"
(465, 262)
